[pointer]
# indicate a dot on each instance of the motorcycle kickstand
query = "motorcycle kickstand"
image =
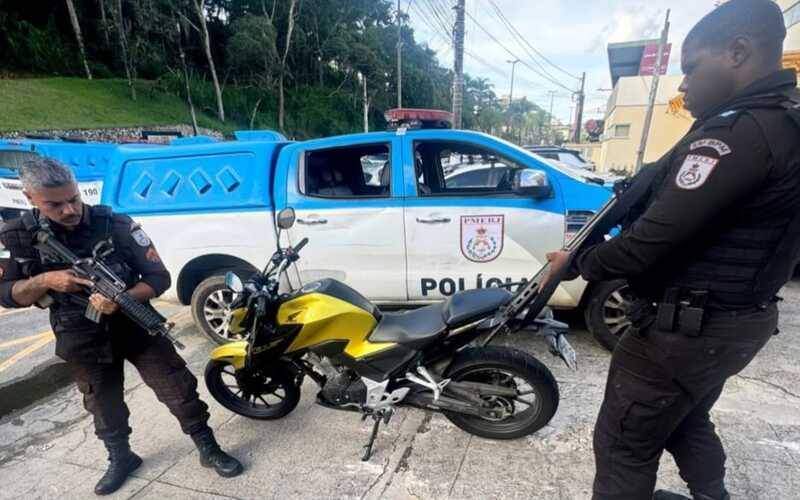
(378, 417)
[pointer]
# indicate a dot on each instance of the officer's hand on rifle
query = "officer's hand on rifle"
(65, 281)
(103, 304)
(557, 261)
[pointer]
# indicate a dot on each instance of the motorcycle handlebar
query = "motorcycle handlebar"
(300, 245)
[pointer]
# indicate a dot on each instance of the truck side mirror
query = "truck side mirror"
(533, 183)
(286, 218)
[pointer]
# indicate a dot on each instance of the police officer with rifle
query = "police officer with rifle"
(707, 252)
(97, 272)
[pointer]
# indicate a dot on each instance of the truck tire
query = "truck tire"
(210, 311)
(605, 312)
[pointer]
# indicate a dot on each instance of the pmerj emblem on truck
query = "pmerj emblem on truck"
(482, 237)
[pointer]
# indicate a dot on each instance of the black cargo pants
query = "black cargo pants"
(160, 367)
(660, 389)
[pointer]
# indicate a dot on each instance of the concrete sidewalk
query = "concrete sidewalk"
(50, 451)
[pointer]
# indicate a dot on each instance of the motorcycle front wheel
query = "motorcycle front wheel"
(537, 392)
(252, 393)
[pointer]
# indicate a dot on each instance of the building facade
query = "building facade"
(625, 116)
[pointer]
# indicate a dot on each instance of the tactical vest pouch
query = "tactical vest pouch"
(667, 310)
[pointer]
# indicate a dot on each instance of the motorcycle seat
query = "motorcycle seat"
(415, 329)
(471, 305)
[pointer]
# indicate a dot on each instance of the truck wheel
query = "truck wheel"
(606, 312)
(211, 302)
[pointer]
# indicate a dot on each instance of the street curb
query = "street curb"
(42, 381)
(46, 379)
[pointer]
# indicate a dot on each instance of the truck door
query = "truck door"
(466, 227)
(347, 197)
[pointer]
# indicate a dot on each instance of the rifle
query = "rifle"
(107, 284)
(532, 298)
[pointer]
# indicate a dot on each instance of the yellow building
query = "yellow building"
(625, 117)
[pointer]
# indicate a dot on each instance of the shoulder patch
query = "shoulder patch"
(139, 236)
(694, 171)
(720, 147)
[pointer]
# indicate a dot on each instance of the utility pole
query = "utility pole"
(458, 66)
(648, 117)
(576, 135)
(366, 103)
(511, 94)
(550, 136)
(511, 90)
(399, 58)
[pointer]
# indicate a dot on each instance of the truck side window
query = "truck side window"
(349, 172)
(445, 168)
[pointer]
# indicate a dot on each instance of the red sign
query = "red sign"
(647, 65)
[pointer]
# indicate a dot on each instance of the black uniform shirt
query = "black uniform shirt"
(709, 174)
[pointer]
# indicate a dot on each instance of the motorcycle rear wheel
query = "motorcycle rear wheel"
(532, 409)
(253, 394)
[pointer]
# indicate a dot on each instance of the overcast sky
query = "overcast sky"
(573, 34)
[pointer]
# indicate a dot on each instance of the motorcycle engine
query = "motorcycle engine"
(345, 388)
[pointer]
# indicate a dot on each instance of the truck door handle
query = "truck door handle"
(312, 222)
(433, 220)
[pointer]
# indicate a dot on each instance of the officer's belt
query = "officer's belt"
(681, 311)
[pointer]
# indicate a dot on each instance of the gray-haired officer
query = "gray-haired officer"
(718, 238)
(95, 352)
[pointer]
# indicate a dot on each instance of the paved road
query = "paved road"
(27, 342)
(49, 451)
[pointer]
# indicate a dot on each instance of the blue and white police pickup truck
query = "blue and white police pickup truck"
(405, 217)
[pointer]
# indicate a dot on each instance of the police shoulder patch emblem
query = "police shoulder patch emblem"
(139, 236)
(482, 237)
(694, 171)
(720, 147)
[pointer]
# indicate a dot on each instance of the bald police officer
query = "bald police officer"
(95, 352)
(713, 245)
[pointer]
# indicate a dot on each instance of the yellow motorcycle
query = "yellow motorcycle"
(368, 361)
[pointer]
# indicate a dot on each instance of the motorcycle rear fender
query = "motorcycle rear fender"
(235, 353)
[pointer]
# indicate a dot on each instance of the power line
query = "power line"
(438, 19)
(521, 42)
(500, 71)
(437, 31)
(445, 11)
(514, 29)
(524, 63)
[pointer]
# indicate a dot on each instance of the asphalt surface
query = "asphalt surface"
(49, 450)
(26, 341)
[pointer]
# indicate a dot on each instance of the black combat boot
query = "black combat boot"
(668, 495)
(122, 461)
(212, 456)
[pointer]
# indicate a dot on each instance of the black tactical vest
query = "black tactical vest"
(752, 250)
(78, 338)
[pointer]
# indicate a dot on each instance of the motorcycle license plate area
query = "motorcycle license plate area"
(560, 346)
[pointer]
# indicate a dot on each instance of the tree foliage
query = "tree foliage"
(332, 43)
